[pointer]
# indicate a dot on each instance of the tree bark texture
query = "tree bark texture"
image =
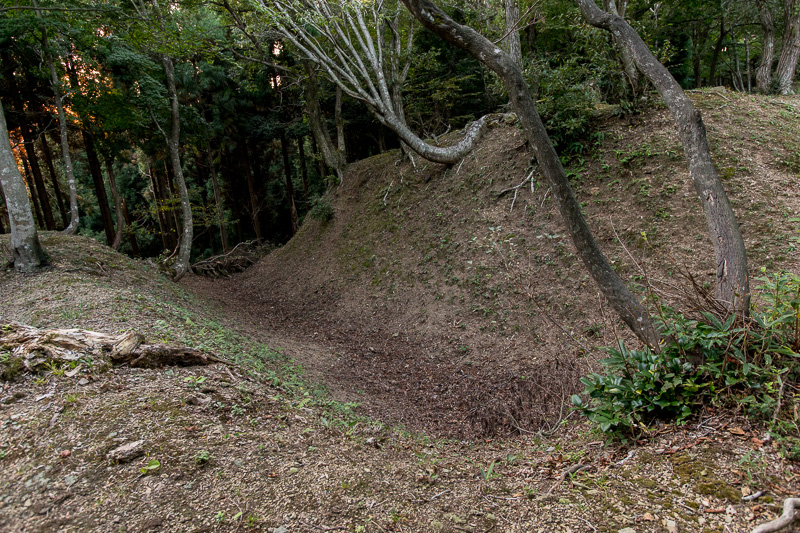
(28, 255)
(764, 72)
(790, 49)
(513, 45)
(733, 286)
(182, 262)
(629, 308)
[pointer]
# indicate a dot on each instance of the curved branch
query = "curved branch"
(790, 505)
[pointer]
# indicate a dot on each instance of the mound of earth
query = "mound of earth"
(451, 299)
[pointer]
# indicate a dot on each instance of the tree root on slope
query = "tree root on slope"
(42, 349)
(790, 505)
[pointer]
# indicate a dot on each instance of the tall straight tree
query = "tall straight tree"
(27, 251)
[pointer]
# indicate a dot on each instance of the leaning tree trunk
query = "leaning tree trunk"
(629, 308)
(790, 50)
(27, 252)
(764, 73)
(733, 288)
(181, 265)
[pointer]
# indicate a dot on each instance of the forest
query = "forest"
(388, 265)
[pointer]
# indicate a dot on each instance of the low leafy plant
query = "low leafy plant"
(321, 210)
(202, 457)
(751, 362)
(153, 464)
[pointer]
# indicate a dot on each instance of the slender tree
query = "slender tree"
(629, 308)
(28, 255)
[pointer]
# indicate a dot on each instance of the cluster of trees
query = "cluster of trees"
(179, 127)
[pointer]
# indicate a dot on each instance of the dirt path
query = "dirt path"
(383, 376)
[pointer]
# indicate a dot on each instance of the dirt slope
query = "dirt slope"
(430, 289)
(258, 447)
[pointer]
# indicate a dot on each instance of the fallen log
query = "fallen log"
(43, 349)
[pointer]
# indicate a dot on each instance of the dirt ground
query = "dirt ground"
(403, 366)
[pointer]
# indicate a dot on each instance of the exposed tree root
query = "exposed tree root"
(42, 349)
(790, 505)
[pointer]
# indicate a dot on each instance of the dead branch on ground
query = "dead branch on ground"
(41, 349)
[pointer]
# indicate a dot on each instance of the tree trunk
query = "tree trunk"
(2, 215)
(287, 168)
(322, 167)
(131, 235)
(48, 159)
(255, 210)
(74, 219)
(513, 45)
(733, 285)
(341, 147)
(32, 191)
(764, 72)
(28, 255)
(161, 215)
(38, 179)
(330, 154)
(628, 64)
(36, 182)
(790, 50)
(112, 184)
(629, 308)
(99, 184)
(712, 71)
(301, 154)
(181, 265)
(223, 237)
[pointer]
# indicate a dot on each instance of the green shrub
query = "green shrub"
(321, 210)
(708, 360)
